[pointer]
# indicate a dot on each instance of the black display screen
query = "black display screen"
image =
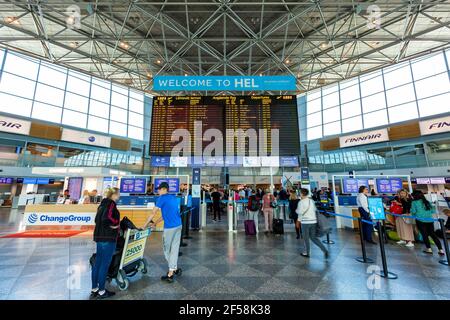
(225, 113)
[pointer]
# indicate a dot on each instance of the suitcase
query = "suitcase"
(278, 226)
(250, 227)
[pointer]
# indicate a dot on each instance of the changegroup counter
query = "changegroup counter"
(74, 216)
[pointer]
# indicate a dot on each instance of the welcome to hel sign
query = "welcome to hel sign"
(219, 83)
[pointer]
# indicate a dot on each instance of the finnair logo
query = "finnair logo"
(439, 125)
(10, 124)
(364, 138)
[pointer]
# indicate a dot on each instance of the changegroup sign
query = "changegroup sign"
(59, 218)
(12, 125)
(85, 138)
(433, 126)
(219, 83)
(367, 137)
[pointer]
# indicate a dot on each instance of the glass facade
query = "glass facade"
(409, 90)
(36, 89)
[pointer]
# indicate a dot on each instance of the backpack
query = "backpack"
(254, 205)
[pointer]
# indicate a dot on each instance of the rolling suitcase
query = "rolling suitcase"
(250, 228)
(278, 226)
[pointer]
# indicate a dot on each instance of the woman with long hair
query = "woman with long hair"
(423, 210)
(404, 230)
(107, 222)
(293, 204)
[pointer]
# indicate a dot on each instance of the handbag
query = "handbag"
(396, 208)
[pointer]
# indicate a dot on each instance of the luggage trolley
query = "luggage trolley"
(132, 259)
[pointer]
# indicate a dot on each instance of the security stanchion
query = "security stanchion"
(364, 258)
(328, 241)
(188, 224)
(385, 272)
(447, 261)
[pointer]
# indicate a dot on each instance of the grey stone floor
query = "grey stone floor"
(219, 265)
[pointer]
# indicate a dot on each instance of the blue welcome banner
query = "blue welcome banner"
(220, 83)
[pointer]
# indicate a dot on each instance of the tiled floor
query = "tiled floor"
(219, 265)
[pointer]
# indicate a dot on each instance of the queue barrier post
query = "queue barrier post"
(444, 236)
(328, 241)
(385, 272)
(364, 258)
(188, 224)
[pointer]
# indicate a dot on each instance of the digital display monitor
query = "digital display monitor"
(133, 185)
(351, 185)
(170, 113)
(5, 180)
(174, 184)
(389, 185)
(376, 208)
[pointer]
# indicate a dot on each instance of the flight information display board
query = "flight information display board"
(222, 113)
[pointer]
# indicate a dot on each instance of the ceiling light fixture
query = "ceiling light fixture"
(12, 20)
(324, 45)
(124, 45)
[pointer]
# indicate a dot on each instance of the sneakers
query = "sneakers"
(167, 278)
(105, 294)
(428, 251)
(441, 253)
(178, 272)
(401, 242)
(93, 295)
(304, 254)
(409, 245)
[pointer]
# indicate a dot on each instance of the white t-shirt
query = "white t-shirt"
(306, 210)
(362, 202)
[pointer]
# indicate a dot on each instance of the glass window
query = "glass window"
(52, 75)
(330, 89)
(352, 124)
(100, 93)
(46, 112)
(136, 119)
(349, 83)
(313, 95)
(371, 86)
(136, 95)
(313, 119)
(138, 106)
(315, 133)
(135, 133)
(76, 102)
(374, 102)
(21, 66)
(98, 124)
(351, 109)
(119, 100)
(78, 83)
(49, 95)
(375, 119)
(333, 128)
(397, 75)
(118, 114)
(17, 85)
(330, 100)
(434, 105)
(75, 119)
(350, 94)
(331, 115)
(101, 83)
(312, 106)
(119, 89)
(400, 95)
(429, 66)
(118, 129)
(22, 107)
(98, 108)
(403, 112)
(432, 86)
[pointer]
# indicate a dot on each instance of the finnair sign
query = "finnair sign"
(433, 126)
(221, 83)
(367, 137)
(12, 125)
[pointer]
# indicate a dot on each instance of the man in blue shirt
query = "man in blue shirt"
(170, 212)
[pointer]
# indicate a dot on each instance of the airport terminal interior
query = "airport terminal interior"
(225, 150)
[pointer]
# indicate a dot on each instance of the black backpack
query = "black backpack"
(254, 203)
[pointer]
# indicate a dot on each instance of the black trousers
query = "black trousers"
(216, 210)
(367, 228)
(426, 229)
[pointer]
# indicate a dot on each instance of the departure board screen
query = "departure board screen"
(222, 113)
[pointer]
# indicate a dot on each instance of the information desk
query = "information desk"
(74, 216)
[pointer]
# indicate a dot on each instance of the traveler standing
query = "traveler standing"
(253, 207)
(404, 230)
(216, 197)
(85, 198)
(268, 199)
(306, 211)
(423, 210)
(293, 204)
(363, 208)
(106, 232)
(170, 213)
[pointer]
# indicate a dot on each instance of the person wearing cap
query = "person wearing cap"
(170, 214)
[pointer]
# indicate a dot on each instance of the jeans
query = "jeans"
(105, 252)
(171, 246)
(216, 210)
(426, 229)
(253, 215)
(309, 233)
